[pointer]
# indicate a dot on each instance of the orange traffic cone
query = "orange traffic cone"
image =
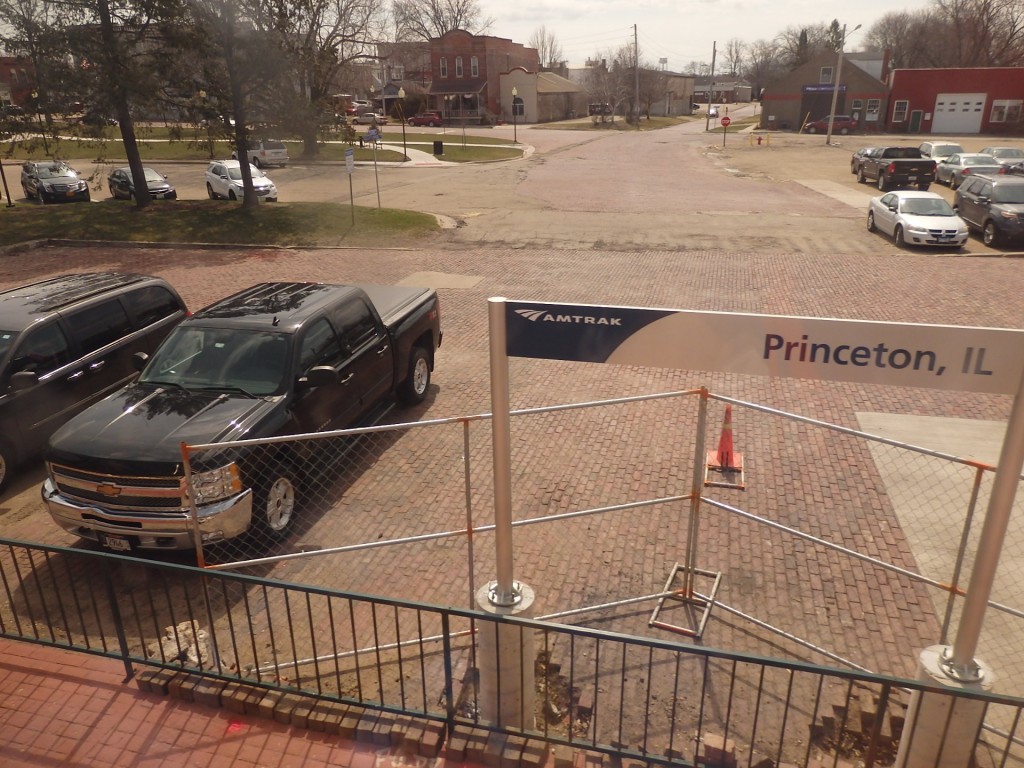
(724, 457)
(725, 462)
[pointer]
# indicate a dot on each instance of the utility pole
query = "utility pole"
(636, 74)
(711, 86)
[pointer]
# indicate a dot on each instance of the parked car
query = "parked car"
(1005, 155)
(53, 181)
(433, 119)
(842, 124)
(224, 180)
(937, 150)
(67, 342)
(951, 170)
(120, 184)
(713, 112)
(993, 205)
(892, 167)
(266, 152)
(275, 359)
(370, 118)
(916, 218)
(858, 157)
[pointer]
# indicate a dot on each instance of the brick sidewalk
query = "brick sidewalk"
(67, 708)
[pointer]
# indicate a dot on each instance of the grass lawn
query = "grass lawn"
(215, 221)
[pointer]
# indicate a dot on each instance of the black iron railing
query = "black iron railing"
(629, 697)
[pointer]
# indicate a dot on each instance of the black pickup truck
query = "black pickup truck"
(891, 167)
(276, 359)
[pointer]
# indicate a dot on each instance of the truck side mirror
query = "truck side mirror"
(139, 360)
(318, 376)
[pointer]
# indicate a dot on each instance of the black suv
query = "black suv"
(68, 341)
(992, 205)
(52, 181)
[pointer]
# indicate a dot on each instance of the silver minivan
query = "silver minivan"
(266, 152)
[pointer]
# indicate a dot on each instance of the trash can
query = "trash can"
(438, 147)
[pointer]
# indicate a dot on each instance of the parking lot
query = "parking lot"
(599, 220)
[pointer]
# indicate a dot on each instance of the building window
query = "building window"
(826, 75)
(857, 104)
(899, 111)
(458, 66)
(444, 67)
(1005, 111)
(474, 67)
(398, 72)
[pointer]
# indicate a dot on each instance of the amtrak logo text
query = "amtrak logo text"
(533, 315)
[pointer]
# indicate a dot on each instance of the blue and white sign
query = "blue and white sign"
(350, 160)
(989, 360)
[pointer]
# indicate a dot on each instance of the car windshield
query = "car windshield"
(1008, 152)
(235, 174)
(1009, 194)
(948, 149)
(220, 359)
(54, 172)
(152, 175)
(927, 206)
(6, 342)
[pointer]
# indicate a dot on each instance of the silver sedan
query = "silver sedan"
(916, 218)
(951, 170)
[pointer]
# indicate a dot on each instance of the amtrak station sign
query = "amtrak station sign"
(987, 360)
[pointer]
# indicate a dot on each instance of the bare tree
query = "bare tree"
(762, 65)
(984, 33)
(733, 56)
(548, 47)
(427, 19)
(798, 44)
(908, 36)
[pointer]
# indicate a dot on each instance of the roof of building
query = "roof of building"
(549, 82)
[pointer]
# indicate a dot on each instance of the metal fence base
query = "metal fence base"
(690, 598)
(718, 476)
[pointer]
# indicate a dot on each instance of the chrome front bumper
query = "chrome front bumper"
(150, 530)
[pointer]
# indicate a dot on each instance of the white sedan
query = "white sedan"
(917, 218)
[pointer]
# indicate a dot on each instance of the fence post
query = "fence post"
(115, 612)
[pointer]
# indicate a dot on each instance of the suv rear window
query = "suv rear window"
(99, 325)
(273, 145)
(151, 303)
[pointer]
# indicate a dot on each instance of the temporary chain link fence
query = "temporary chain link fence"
(840, 545)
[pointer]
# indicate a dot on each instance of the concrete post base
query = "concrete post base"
(505, 655)
(934, 736)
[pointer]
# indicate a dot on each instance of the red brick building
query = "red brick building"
(15, 81)
(466, 74)
(957, 101)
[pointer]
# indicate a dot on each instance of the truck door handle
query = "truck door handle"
(348, 378)
(76, 375)
(382, 350)
(98, 365)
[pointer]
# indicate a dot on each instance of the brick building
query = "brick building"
(466, 74)
(958, 101)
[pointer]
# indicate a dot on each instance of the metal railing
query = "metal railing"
(629, 697)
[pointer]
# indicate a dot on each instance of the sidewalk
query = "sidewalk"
(73, 709)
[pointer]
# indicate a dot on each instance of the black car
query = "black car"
(993, 205)
(53, 181)
(68, 341)
(120, 184)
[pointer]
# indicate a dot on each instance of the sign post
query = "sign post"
(350, 166)
(725, 127)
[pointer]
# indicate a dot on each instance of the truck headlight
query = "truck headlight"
(216, 484)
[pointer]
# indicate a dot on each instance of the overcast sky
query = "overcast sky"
(678, 30)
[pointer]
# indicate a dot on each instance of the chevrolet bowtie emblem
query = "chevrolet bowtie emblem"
(108, 490)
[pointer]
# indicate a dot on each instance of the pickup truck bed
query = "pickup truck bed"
(897, 167)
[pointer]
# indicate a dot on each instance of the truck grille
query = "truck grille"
(120, 492)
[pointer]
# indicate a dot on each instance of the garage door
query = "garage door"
(958, 112)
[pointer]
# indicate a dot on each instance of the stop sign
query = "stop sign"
(726, 121)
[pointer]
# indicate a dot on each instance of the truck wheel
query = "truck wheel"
(881, 182)
(861, 178)
(417, 380)
(276, 502)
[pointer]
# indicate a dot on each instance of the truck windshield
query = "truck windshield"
(194, 357)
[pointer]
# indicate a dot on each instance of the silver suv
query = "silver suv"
(224, 180)
(266, 152)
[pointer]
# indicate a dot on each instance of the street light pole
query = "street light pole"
(515, 116)
(401, 112)
(835, 86)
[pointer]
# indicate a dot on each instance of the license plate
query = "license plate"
(116, 543)
(913, 178)
(159, 195)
